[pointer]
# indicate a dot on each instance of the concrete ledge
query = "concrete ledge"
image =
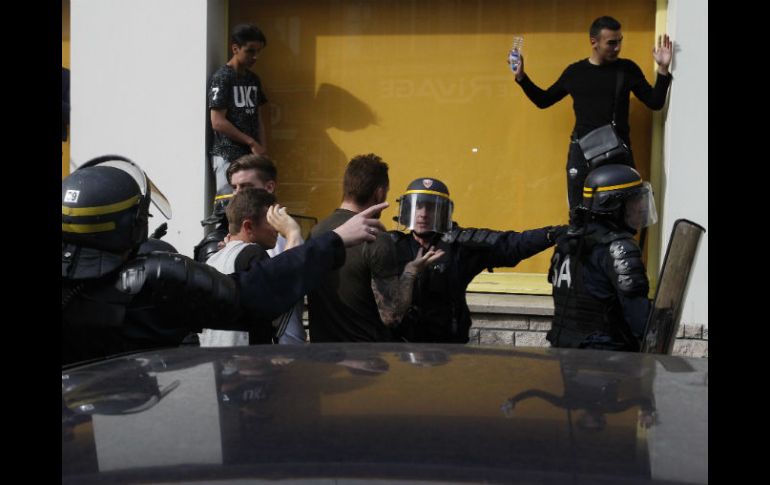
(510, 304)
(524, 320)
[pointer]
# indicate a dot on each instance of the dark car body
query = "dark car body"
(392, 412)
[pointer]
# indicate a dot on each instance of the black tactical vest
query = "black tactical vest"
(580, 319)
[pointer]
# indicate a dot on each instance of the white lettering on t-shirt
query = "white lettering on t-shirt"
(242, 97)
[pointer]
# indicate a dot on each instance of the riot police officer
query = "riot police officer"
(599, 282)
(439, 311)
(115, 299)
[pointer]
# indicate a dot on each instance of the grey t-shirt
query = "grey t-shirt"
(241, 96)
(343, 308)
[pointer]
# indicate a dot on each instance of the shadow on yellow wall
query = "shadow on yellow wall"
(426, 86)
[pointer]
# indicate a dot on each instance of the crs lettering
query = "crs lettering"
(561, 272)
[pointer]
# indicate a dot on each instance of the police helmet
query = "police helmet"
(426, 207)
(618, 193)
(127, 389)
(105, 206)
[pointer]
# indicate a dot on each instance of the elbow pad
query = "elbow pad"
(177, 281)
(628, 268)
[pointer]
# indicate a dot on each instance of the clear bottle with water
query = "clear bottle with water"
(515, 53)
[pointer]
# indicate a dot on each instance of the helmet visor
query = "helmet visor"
(640, 209)
(156, 196)
(423, 213)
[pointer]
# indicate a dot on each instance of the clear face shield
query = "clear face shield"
(156, 196)
(640, 209)
(425, 212)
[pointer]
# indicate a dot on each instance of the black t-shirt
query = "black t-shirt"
(241, 96)
(593, 93)
(249, 255)
(342, 308)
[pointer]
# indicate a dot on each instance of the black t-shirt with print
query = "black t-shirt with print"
(241, 96)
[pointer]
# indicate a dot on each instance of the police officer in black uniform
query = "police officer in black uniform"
(439, 311)
(116, 299)
(599, 281)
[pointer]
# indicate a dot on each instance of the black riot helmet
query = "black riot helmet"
(426, 207)
(617, 192)
(131, 386)
(105, 206)
(219, 212)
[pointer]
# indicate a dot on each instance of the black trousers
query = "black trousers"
(577, 170)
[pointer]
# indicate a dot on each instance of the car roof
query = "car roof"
(395, 412)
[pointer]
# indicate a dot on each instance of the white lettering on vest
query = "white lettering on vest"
(564, 274)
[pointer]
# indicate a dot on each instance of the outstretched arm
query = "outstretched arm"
(512, 247)
(274, 285)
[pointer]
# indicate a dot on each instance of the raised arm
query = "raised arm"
(394, 294)
(663, 54)
(285, 225)
(541, 98)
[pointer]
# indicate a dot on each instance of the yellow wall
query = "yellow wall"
(65, 62)
(424, 83)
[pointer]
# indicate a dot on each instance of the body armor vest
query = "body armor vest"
(580, 319)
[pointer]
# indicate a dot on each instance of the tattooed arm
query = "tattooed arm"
(394, 294)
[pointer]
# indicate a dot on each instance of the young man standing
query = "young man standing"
(237, 102)
(593, 83)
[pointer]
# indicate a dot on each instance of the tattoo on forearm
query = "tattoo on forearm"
(393, 296)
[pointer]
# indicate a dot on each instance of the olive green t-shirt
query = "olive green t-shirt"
(342, 308)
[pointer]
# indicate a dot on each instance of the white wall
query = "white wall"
(685, 170)
(138, 88)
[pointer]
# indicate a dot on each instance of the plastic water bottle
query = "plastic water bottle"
(515, 54)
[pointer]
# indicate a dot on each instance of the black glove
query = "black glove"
(554, 233)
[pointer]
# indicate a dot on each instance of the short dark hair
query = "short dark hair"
(264, 166)
(249, 203)
(242, 34)
(604, 22)
(364, 175)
